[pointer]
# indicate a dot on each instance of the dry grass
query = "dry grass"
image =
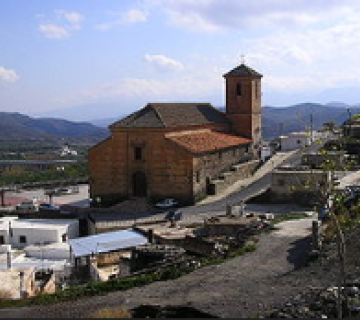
(115, 312)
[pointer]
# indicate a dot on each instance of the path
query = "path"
(267, 167)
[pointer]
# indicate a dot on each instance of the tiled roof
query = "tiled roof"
(169, 115)
(204, 141)
(243, 71)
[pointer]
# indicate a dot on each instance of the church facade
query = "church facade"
(177, 149)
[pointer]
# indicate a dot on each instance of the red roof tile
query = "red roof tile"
(206, 141)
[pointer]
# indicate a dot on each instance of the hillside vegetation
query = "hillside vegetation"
(19, 127)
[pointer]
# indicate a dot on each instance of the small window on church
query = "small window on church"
(138, 153)
(239, 89)
(220, 155)
(2, 240)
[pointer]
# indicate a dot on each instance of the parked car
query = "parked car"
(167, 203)
(28, 205)
(66, 190)
(48, 207)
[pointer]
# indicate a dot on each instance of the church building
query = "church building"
(177, 150)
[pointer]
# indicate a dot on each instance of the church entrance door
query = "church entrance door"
(139, 184)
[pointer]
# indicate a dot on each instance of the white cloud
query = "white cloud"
(8, 75)
(74, 18)
(129, 17)
(53, 31)
(137, 91)
(215, 15)
(163, 63)
(134, 15)
(67, 22)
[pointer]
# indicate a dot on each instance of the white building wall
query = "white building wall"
(4, 233)
(58, 251)
(35, 235)
(37, 231)
(294, 141)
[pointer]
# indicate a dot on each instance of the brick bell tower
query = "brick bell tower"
(243, 103)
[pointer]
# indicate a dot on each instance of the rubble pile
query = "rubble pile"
(319, 303)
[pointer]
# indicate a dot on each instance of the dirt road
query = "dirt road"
(241, 287)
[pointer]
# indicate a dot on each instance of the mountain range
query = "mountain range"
(16, 126)
(275, 121)
(278, 121)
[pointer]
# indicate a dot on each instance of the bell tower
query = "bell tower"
(243, 103)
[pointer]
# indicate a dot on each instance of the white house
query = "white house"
(66, 151)
(294, 140)
(21, 233)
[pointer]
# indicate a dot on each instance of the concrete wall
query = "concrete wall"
(293, 142)
(39, 233)
(238, 172)
(211, 166)
(35, 236)
(286, 184)
(11, 287)
(49, 252)
(334, 160)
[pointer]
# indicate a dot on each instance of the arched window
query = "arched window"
(239, 89)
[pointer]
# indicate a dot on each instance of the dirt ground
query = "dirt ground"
(244, 286)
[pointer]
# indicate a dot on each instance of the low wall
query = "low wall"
(237, 172)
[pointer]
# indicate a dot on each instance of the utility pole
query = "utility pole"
(281, 128)
(2, 197)
(350, 116)
(311, 127)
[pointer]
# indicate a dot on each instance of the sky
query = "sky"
(111, 57)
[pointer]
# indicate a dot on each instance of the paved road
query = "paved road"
(255, 187)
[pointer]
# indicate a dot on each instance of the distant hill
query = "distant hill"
(276, 121)
(16, 126)
(104, 123)
(283, 120)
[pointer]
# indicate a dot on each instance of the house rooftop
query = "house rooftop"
(172, 115)
(243, 71)
(203, 141)
(36, 223)
(106, 242)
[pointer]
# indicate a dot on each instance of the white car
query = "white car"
(167, 203)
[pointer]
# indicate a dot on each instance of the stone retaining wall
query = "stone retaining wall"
(237, 172)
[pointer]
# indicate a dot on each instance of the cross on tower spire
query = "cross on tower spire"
(243, 58)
